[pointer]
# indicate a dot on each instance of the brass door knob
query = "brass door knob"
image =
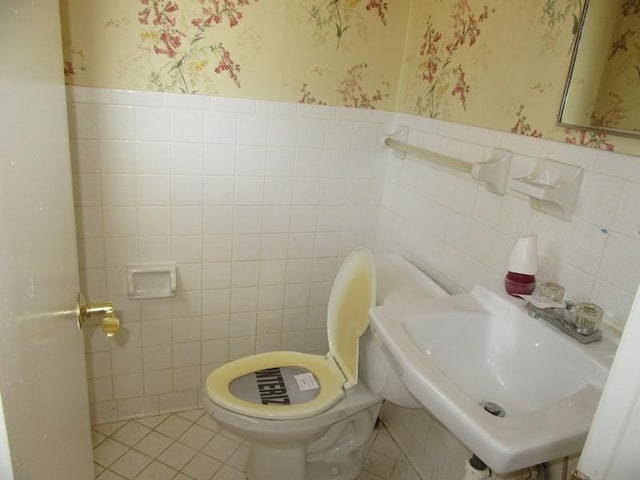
(110, 323)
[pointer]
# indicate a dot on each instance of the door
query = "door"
(42, 368)
(611, 449)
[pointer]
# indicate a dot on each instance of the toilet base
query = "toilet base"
(345, 470)
(272, 463)
(337, 454)
(276, 463)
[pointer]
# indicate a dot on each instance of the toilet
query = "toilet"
(305, 416)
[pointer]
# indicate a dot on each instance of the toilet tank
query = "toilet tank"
(398, 280)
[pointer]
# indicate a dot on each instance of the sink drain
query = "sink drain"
(493, 408)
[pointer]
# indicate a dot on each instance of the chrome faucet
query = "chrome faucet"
(563, 319)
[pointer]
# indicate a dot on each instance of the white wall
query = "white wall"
(461, 233)
(257, 202)
(611, 449)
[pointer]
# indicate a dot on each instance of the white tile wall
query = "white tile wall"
(461, 233)
(256, 202)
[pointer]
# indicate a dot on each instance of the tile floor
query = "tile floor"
(190, 446)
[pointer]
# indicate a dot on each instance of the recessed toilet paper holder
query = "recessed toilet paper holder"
(151, 281)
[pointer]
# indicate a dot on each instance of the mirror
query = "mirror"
(603, 87)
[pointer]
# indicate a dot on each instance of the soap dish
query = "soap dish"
(552, 187)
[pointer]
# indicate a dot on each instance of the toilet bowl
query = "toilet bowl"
(307, 417)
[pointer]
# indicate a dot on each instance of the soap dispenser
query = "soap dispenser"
(522, 267)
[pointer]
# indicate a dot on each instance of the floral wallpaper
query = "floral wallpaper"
(336, 52)
(496, 64)
(333, 18)
(618, 101)
(500, 64)
(179, 37)
(441, 75)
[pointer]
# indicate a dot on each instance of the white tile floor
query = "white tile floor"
(190, 446)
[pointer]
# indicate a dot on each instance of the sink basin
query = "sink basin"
(458, 352)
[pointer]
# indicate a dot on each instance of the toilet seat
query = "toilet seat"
(324, 369)
(352, 295)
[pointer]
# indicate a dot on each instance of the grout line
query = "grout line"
(192, 417)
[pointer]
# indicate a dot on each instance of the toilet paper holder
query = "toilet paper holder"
(151, 281)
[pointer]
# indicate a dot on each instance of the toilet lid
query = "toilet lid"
(299, 385)
(352, 296)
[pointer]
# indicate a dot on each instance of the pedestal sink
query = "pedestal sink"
(461, 353)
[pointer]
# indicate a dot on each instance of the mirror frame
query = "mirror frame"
(565, 93)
